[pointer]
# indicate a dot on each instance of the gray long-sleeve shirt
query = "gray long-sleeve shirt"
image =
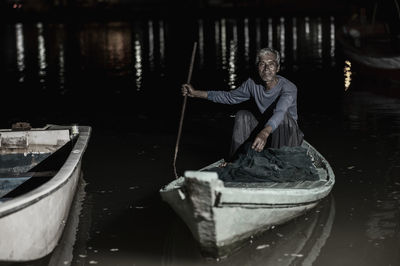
(285, 89)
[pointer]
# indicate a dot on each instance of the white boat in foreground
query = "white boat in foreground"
(39, 172)
(222, 216)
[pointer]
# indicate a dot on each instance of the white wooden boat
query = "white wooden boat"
(39, 172)
(222, 216)
(298, 242)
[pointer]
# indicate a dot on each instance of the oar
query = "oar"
(184, 107)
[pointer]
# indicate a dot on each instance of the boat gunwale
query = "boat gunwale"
(264, 205)
(177, 183)
(62, 177)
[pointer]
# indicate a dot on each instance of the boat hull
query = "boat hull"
(223, 229)
(34, 231)
(222, 218)
(32, 224)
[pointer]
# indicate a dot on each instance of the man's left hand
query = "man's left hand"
(261, 140)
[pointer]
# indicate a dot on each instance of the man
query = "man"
(276, 99)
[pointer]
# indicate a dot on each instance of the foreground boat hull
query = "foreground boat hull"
(230, 227)
(32, 224)
(222, 218)
(302, 238)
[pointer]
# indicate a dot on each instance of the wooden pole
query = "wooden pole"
(184, 107)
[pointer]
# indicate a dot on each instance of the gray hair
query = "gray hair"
(268, 50)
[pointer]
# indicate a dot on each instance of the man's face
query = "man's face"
(267, 67)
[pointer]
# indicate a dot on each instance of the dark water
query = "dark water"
(123, 78)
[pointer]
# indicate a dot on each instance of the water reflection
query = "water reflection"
(201, 42)
(61, 62)
(217, 38)
(307, 27)
(294, 38)
(281, 34)
(151, 44)
(270, 33)
(106, 48)
(319, 38)
(246, 41)
(258, 33)
(162, 43)
(20, 51)
(332, 39)
(117, 47)
(232, 66)
(347, 75)
(138, 48)
(138, 62)
(223, 43)
(41, 55)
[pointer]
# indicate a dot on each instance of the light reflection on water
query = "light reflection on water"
(319, 37)
(223, 43)
(151, 45)
(114, 46)
(232, 64)
(138, 63)
(281, 34)
(162, 43)
(294, 38)
(246, 41)
(270, 33)
(332, 38)
(347, 75)
(258, 33)
(41, 55)
(61, 62)
(20, 51)
(201, 40)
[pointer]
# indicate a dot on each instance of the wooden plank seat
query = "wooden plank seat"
(14, 184)
(27, 174)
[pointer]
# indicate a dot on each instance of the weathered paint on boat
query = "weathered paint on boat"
(32, 223)
(221, 215)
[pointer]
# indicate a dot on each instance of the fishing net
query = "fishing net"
(286, 164)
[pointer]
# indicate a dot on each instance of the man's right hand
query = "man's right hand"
(187, 89)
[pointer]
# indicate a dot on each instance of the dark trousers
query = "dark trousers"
(247, 126)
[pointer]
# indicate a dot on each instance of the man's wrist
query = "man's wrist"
(267, 130)
(200, 94)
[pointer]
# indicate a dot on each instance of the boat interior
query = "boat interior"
(30, 158)
(321, 166)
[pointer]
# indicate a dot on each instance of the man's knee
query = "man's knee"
(243, 115)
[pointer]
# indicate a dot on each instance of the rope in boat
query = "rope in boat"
(183, 108)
